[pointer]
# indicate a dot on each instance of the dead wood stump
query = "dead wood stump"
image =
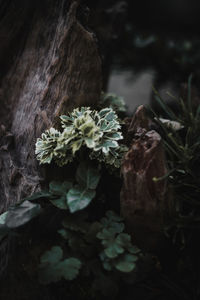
(143, 200)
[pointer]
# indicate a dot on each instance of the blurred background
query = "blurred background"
(145, 44)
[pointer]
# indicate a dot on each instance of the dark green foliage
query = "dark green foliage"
(118, 250)
(17, 216)
(101, 247)
(182, 146)
(87, 176)
(82, 193)
(79, 198)
(73, 195)
(52, 268)
(115, 102)
(59, 190)
(57, 194)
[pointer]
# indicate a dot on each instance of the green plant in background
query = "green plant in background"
(113, 101)
(98, 132)
(182, 143)
(101, 250)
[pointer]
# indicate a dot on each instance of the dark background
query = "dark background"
(145, 44)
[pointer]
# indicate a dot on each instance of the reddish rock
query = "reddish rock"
(143, 198)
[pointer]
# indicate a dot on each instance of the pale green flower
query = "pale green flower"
(83, 127)
(46, 144)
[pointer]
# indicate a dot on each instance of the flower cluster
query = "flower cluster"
(97, 131)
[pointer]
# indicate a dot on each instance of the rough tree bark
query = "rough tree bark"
(49, 64)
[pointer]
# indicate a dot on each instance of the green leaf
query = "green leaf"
(60, 202)
(70, 268)
(124, 239)
(104, 111)
(52, 269)
(115, 102)
(59, 188)
(78, 198)
(76, 146)
(113, 216)
(112, 245)
(107, 265)
(19, 215)
(75, 242)
(106, 145)
(106, 233)
(112, 221)
(90, 143)
(110, 116)
(87, 176)
(127, 264)
(52, 256)
(133, 249)
(113, 248)
(41, 194)
(3, 218)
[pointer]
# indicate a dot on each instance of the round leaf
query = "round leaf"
(60, 202)
(21, 214)
(79, 198)
(126, 263)
(70, 268)
(52, 256)
(87, 176)
(59, 188)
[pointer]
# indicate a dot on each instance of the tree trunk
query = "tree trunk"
(49, 64)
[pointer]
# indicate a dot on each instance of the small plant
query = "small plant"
(98, 132)
(118, 253)
(85, 249)
(98, 248)
(113, 101)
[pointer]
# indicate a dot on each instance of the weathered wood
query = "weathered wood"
(142, 198)
(53, 66)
